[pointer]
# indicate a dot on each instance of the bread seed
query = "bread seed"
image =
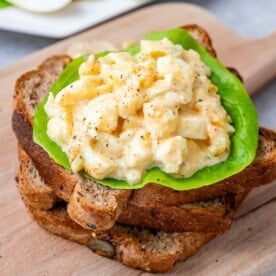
(102, 248)
(91, 226)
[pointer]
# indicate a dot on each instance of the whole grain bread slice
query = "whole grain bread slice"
(134, 247)
(212, 216)
(102, 214)
(32, 188)
(208, 216)
(154, 251)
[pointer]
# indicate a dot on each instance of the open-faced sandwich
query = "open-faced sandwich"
(145, 154)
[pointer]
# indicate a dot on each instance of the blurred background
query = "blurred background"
(252, 18)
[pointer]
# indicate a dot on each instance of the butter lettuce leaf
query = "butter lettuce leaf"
(234, 98)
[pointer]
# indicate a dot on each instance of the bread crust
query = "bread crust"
(185, 218)
(201, 35)
(62, 181)
(35, 193)
(82, 210)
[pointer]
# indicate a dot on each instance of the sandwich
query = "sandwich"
(143, 155)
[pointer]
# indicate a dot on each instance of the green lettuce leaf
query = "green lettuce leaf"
(234, 99)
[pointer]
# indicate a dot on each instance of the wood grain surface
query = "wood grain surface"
(249, 248)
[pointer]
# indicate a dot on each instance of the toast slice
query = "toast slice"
(105, 206)
(33, 190)
(208, 216)
(136, 248)
(154, 251)
(212, 216)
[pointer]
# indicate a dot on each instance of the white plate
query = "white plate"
(74, 18)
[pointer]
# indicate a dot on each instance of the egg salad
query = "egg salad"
(127, 114)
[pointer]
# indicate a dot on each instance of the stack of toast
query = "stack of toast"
(150, 228)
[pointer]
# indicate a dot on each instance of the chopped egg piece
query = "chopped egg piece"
(193, 127)
(127, 114)
(161, 119)
(171, 153)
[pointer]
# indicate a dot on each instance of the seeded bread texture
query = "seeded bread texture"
(153, 251)
(41, 195)
(210, 216)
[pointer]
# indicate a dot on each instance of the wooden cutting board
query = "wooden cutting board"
(249, 248)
